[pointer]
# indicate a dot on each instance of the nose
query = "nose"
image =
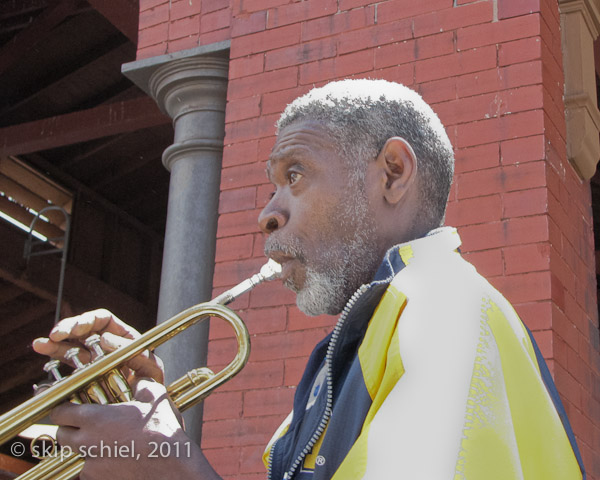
(272, 217)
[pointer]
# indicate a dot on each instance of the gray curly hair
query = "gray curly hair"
(361, 115)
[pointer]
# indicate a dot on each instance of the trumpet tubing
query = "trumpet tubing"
(88, 382)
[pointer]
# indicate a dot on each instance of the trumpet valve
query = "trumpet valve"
(73, 355)
(93, 344)
(51, 367)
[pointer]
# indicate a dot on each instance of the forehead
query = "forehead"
(302, 140)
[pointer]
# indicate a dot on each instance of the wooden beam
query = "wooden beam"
(123, 15)
(81, 290)
(87, 71)
(20, 7)
(76, 186)
(20, 44)
(98, 122)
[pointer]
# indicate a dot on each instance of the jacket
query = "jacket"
(428, 374)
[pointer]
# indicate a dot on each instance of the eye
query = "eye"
(293, 177)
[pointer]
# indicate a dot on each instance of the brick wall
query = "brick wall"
(492, 69)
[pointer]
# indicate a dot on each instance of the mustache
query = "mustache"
(289, 247)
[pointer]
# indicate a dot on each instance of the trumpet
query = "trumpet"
(102, 382)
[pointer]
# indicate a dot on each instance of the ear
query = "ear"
(398, 167)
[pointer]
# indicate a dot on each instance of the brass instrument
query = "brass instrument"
(86, 382)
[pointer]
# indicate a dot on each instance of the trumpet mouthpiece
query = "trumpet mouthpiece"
(270, 270)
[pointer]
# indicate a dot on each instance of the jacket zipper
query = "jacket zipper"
(329, 405)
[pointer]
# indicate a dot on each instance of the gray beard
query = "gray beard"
(344, 268)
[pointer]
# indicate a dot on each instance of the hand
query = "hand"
(71, 332)
(138, 439)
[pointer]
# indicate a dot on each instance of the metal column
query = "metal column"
(193, 92)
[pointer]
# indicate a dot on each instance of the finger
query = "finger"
(95, 321)
(45, 346)
(68, 437)
(69, 415)
(146, 364)
(147, 390)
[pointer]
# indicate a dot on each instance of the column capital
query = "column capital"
(189, 84)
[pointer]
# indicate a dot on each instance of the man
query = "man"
(428, 374)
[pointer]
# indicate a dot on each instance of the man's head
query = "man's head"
(358, 165)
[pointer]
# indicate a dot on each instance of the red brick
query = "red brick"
(246, 66)
(513, 9)
(482, 237)
(519, 51)
(404, 74)
(151, 51)
(234, 248)
(512, 76)
(477, 158)
(294, 367)
(543, 339)
(248, 23)
(153, 35)
(299, 320)
(300, 11)
(222, 405)
(528, 287)
(527, 258)
(525, 202)
(475, 210)
(522, 150)
(212, 5)
(266, 320)
(183, 8)
(249, 6)
(438, 90)
(264, 41)
(488, 262)
(395, 54)
(277, 101)
(349, 4)
(238, 223)
(240, 153)
(262, 83)
(357, 62)
(526, 230)
(276, 294)
(249, 129)
(243, 108)
(498, 32)
(215, 21)
(237, 432)
(374, 36)
(149, 4)
(480, 182)
(456, 64)
(536, 315)
(266, 374)
(268, 402)
(337, 23)
(315, 72)
(191, 41)
(237, 199)
(243, 175)
(224, 460)
(298, 54)
(503, 128)
(453, 18)
(285, 345)
(214, 37)
(184, 27)
(153, 16)
(394, 10)
(251, 460)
